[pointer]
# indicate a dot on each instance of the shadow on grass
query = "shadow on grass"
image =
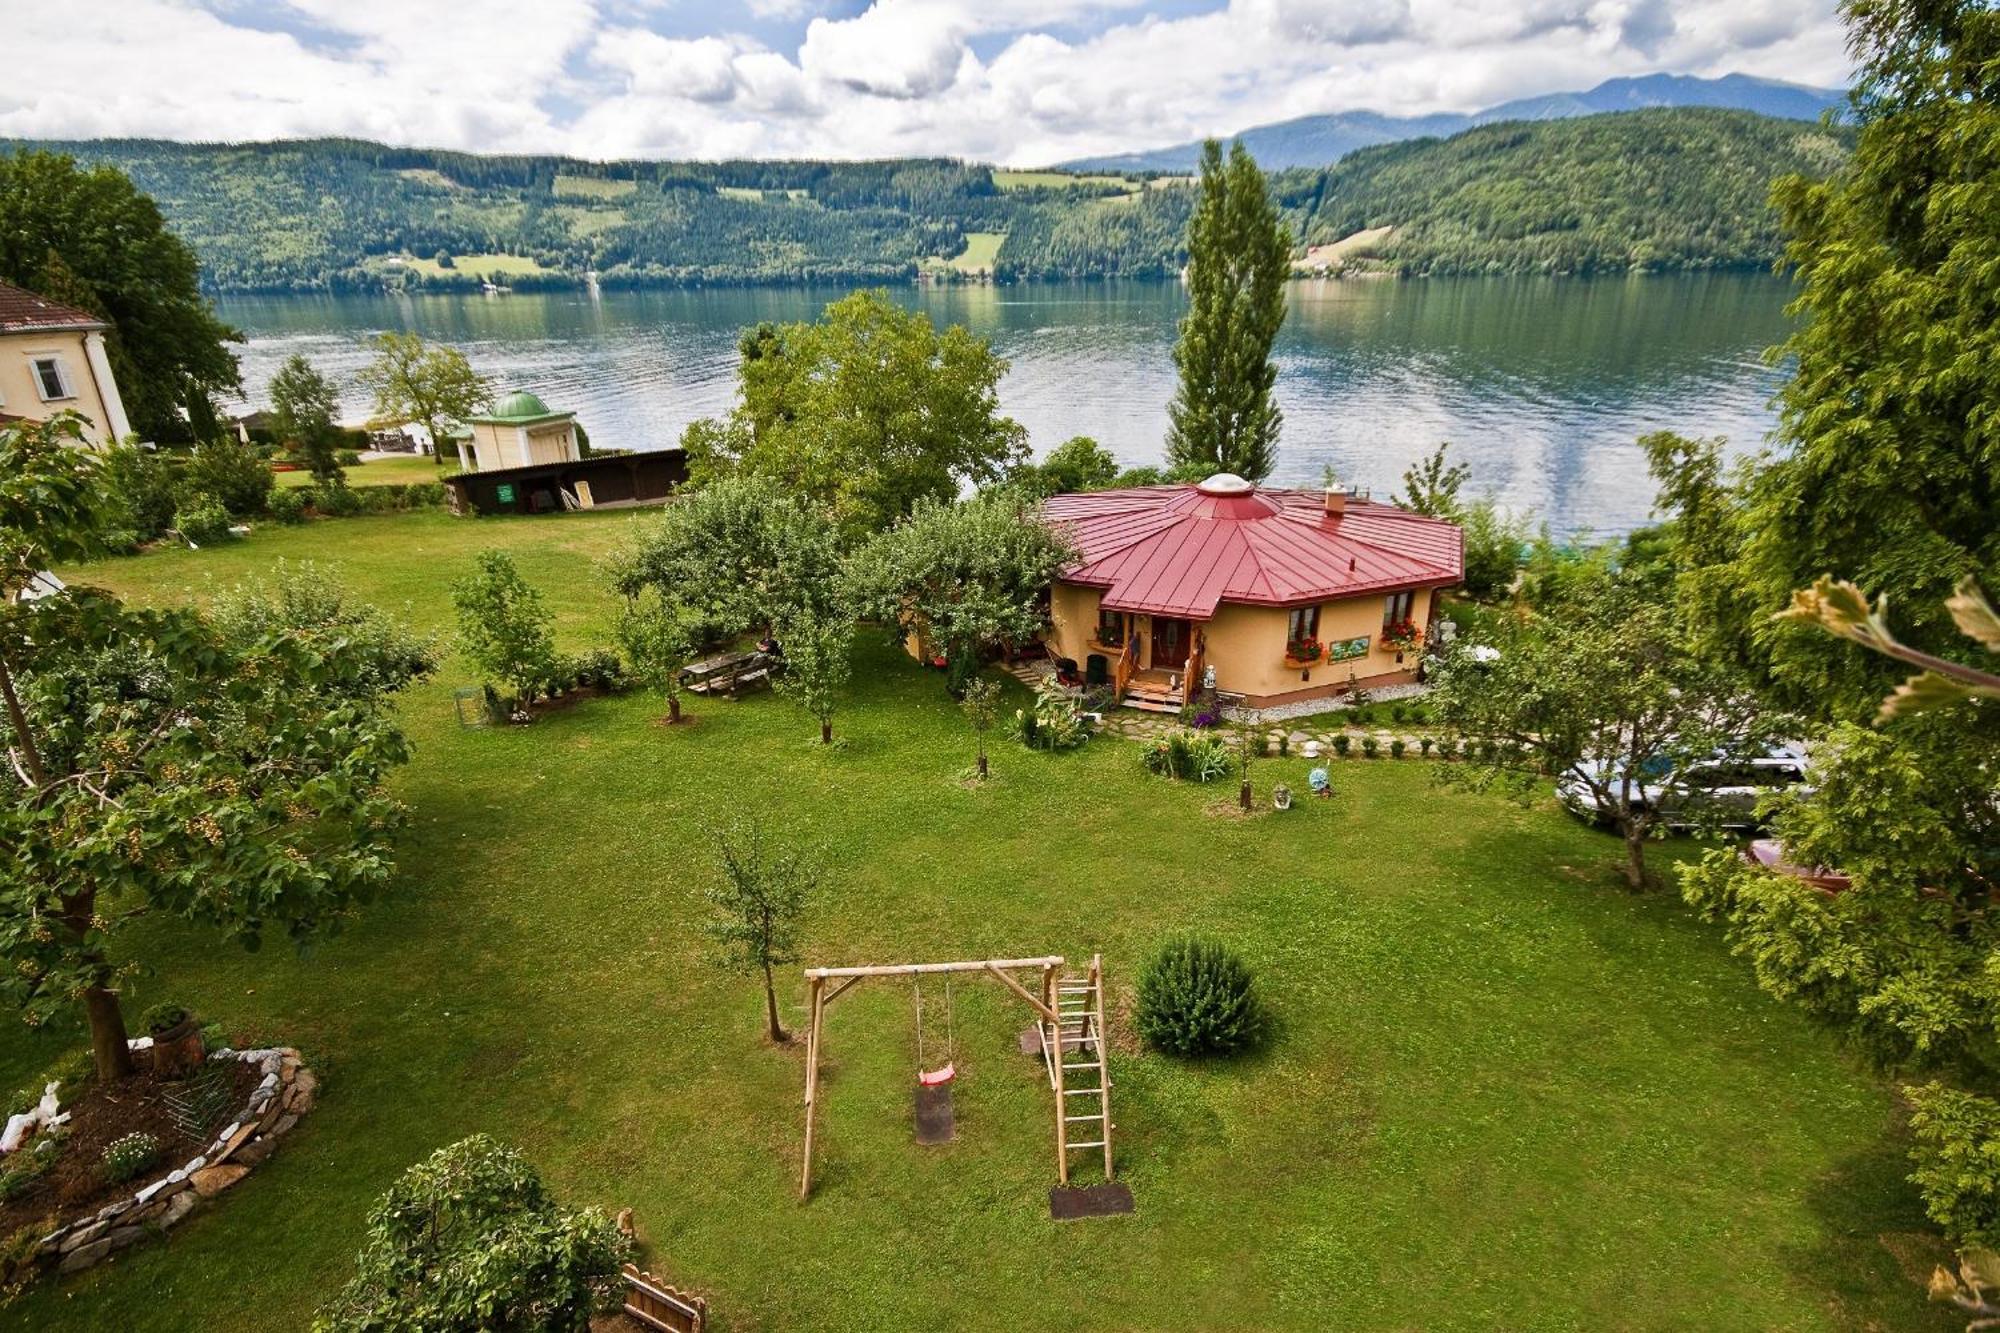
(1876, 1248)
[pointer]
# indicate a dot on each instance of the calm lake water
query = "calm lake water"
(1542, 385)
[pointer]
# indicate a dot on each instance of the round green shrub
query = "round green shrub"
(1370, 747)
(287, 505)
(338, 501)
(1197, 997)
(1424, 744)
(201, 520)
(1396, 747)
(1342, 744)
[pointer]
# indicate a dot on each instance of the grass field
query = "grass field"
(1057, 180)
(590, 187)
(381, 472)
(751, 195)
(1500, 1092)
(981, 249)
(484, 266)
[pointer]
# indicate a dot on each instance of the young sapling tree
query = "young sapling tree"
(764, 891)
(981, 705)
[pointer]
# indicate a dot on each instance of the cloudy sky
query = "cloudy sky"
(1021, 82)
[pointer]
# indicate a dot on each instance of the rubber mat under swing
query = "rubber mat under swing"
(934, 1118)
(1106, 1200)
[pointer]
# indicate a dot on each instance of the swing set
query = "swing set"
(1069, 1033)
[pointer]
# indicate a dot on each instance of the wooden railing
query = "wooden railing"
(1128, 662)
(1191, 682)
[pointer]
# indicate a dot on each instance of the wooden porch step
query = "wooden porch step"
(1152, 705)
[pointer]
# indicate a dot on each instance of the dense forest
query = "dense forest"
(1663, 189)
(1654, 189)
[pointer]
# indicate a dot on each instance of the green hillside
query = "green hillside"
(1668, 189)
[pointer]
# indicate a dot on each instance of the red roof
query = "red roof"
(1181, 550)
(21, 311)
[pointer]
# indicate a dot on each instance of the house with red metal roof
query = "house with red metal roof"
(53, 359)
(1285, 596)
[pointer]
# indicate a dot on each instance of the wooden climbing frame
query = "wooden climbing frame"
(1069, 1014)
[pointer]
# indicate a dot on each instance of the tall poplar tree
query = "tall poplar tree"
(1225, 414)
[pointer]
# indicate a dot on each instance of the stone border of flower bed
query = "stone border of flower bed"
(286, 1092)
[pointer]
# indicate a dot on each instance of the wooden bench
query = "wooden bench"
(730, 674)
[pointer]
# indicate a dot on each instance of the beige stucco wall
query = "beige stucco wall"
(1246, 644)
(20, 393)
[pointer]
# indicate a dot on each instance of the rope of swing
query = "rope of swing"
(950, 1037)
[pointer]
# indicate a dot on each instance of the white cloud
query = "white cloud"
(1060, 78)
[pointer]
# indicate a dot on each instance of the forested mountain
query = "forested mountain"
(1646, 189)
(1659, 189)
(1318, 141)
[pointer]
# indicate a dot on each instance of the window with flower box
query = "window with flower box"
(1111, 628)
(1302, 635)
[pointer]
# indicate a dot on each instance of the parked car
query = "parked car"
(1770, 854)
(1730, 785)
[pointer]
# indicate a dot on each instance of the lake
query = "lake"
(1541, 384)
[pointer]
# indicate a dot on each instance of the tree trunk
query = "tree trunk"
(107, 1032)
(982, 763)
(771, 1008)
(1243, 794)
(673, 708)
(31, 757)
(826, 733)
(1635, 857)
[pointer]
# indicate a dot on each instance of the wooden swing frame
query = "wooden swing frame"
(1044, 1004)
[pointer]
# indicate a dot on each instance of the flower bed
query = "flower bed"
(285, 1090)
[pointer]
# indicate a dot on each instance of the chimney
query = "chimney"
(1336, 501)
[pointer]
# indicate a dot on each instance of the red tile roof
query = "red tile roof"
(1181, 550)
(21, 311)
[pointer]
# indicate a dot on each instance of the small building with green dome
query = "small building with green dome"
(521, 431)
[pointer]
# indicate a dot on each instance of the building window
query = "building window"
(1303, 624)
(1111, 628)
(1396, 608)
(50, 379)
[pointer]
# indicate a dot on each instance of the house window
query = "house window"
(50, 379)
(1396, 608)
(1111, 628)
(1303, 624)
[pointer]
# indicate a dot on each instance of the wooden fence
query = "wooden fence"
(657, 1305)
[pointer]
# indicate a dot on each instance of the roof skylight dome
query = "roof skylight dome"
(1226, 483)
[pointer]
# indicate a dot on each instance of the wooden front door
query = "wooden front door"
(1170, 643)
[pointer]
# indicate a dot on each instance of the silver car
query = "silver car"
(1726, 787)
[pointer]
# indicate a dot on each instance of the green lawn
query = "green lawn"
(482, 266)
(981, 249)
(382, 472)
(750, 194)
(1501, 1092)
(1058, 180)
(591, 187)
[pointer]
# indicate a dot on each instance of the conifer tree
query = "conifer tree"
(1225, 414)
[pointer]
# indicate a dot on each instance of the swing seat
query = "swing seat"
(931, 1078)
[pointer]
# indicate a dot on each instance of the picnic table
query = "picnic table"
(729, 673)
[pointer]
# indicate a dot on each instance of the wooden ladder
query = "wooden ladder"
(1074, 1044)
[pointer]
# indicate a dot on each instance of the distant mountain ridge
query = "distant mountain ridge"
(1317, 141)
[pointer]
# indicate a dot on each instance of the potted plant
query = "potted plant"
(1402, 637)
(1304, 652)
(1281, 797)
(178, 1049)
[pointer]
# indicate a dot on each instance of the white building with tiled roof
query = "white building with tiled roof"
(52, 359)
